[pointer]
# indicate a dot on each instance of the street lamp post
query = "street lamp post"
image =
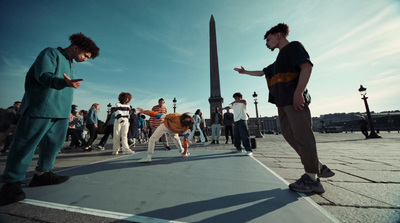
(174, 102)
(258, 133)
(363, 92)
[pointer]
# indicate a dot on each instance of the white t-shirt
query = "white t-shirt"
(239, 111)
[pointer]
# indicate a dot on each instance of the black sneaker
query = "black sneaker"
(47, 178)
(167, 148)
(11, 193)
(325, 172)
(306, 185)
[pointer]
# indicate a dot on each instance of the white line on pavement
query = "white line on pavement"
(323, 211)
(96, 212)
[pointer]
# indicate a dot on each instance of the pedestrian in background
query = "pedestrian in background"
(92, 125)
(363, 126)
(239, 106)
(109, 129)
(133, 134)
(216, 121)
(154, 122)
(228, 122)
(141, 126)
(121, 125)
(8, 124)
(196, 127)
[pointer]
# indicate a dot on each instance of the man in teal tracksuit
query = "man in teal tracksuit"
(45, 111)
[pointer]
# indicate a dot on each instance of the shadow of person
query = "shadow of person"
(231, 207)
(131, 162)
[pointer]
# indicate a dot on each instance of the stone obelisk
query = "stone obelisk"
(215, 98)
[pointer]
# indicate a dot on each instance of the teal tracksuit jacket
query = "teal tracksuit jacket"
(45, 111)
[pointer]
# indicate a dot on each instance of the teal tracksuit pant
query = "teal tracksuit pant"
(47, 133)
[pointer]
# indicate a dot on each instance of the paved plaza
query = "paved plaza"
(214, 185)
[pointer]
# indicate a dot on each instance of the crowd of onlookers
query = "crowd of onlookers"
(84, 127)
(8, 124)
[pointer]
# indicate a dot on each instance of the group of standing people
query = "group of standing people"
(125, 126)
(8, 124)
(217, 121)
(88, 121)
(78, 121)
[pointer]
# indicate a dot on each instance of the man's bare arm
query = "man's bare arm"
(305, 74)
(257, 73)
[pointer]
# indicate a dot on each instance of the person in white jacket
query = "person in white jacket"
(121, 125)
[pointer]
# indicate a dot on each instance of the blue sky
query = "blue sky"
(160, 48)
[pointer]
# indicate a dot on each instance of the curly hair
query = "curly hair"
(123, 96)
(85, 43)
(280, 28)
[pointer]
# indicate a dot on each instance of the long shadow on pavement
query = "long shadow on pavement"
(269, 201)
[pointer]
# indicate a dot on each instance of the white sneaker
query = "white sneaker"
(147, 159)
(127, 152)
(249, 153)
(206, 144)
(101, 147)
(114, 153)
(236, 151)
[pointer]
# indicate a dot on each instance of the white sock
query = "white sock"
(313, 176)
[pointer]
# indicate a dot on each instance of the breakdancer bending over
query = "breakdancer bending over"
(173, 124)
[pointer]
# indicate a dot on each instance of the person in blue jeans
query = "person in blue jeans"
(241, 131)
(92, 125)
(45, 112)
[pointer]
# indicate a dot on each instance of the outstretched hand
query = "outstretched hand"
(240, 70)
(75, 83)
(141, 110)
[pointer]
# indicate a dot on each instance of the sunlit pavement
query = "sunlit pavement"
(213, 185)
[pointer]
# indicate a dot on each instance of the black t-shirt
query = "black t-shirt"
(283, 75)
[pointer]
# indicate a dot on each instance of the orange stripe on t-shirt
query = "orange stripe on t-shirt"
(155, 121)
(281, 77)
